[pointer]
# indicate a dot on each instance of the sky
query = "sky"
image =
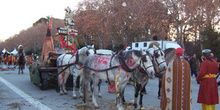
(18, 15)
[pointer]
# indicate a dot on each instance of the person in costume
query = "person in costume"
(5, 59)
(208, 89)
(176, 84)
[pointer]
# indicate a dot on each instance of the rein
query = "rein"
(102, 69)
(69, 64)
(76, 62)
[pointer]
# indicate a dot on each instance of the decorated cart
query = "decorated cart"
(44, 74)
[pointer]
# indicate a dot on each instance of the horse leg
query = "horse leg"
(141, 98)
(64, 83)
(85, 83)
(74, 86)
(80, 86)
(160, 82)
(91, 86)
(120, 94)
(99, 86)
(93, 89)
(137, 89)
(60, 81)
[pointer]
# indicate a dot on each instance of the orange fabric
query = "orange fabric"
(48, 46)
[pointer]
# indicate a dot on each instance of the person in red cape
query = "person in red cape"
(5, 59)
(10, 60)
(208, 90)
(176, 84)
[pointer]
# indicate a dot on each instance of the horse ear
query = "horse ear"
(151, 51)
(155, 47)
(142, 53)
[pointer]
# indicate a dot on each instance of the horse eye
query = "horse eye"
(156, 55)
(144, 59)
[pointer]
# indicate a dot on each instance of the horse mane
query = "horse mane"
(125, 54)
(84, 48)
(80, 50)
(169, 54)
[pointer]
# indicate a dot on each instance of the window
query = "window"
(136, 44)
(145, 44)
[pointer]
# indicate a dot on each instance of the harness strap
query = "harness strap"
(100, 70)
(69, 61)
(77, 57)
(67, 66)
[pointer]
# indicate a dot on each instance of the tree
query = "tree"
(211, 40)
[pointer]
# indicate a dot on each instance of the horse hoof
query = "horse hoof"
(61, 93)
(142, 108)
(96, 105)
(74, 97)
(65, 93)
(100, 96)
(159, 97)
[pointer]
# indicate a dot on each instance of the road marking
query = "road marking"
(27, 97)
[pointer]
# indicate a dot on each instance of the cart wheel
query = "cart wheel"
(44, 85)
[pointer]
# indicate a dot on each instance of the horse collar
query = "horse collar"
(123, 63)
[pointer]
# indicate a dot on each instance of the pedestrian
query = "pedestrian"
(187, 57)
(212, 56)
(199, 62)
(176, 84)
(208, 89)
(193, 66)
(217, 78)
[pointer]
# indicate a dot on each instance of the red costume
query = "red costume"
(208, 90)
(5, 59)
(10, 60)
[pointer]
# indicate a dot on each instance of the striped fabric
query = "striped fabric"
(176, 86)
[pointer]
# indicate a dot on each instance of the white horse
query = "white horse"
(159, 61)
(72, 64)
(118, 68)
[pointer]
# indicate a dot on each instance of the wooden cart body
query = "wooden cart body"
(46, 76)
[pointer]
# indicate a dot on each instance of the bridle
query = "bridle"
(143, 59)
(87, 50)
(156, 55)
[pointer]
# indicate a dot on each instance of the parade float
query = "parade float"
(44, 74)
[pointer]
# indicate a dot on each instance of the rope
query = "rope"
(100, 70)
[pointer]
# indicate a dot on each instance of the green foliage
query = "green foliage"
(211, 40)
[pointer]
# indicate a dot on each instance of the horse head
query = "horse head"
(146, 64)
(131, 59)
(158, 58)
(84, 52)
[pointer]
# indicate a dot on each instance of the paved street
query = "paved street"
(13, 100)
